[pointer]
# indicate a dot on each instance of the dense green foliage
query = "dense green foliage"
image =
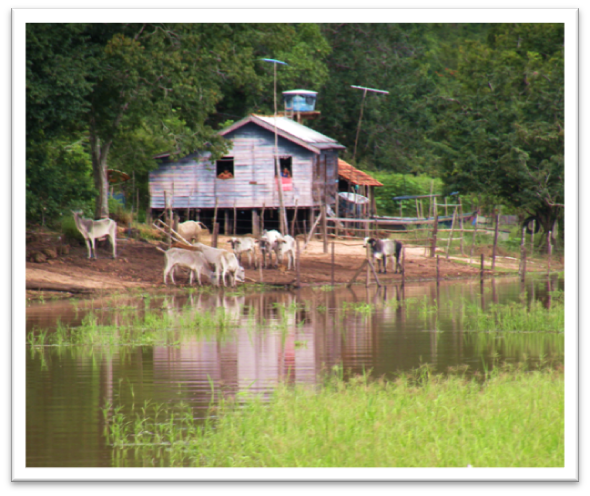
(479, 106)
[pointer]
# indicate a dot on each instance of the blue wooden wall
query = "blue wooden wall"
(192, 182)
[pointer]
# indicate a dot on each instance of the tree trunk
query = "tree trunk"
(100, 152)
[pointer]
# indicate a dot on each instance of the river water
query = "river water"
(275, 336)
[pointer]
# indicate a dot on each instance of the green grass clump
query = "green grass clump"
(131, 329)
(514, 418)
(515, 317)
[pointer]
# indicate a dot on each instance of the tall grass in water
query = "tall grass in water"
(515, 418)
(129, 329)
(515, 317)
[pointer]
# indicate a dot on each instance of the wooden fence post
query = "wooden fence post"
(548, 252)
(333, 265)
(495, 241)
(324, 228)
(367, 255)
(474, 233)
(523, 255)
(533, 238)
(297, 263)
(520, 265)
(403, 266)
(452, 230)
(482, 269)
(437, 271)
(434, 232)
(461, 223)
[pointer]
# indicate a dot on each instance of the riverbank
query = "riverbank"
(65, 271)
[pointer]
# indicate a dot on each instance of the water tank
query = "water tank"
(300, 100)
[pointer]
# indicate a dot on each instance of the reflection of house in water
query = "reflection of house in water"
(275, 340)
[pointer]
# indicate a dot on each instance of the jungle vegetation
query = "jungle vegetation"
(479, 108)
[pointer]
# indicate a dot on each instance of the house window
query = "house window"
(286, 167)
(224, 168)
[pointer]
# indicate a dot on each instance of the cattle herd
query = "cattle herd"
(219, 264)
(223, 266)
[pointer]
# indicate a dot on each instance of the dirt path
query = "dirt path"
(140, 265)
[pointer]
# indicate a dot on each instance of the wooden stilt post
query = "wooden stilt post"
(260, 267)
(255, 226)
(215, 212)
(234, 230)
(262, 218)
(215, 234)
(293, 221)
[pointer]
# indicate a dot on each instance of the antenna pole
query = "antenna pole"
(358, 130)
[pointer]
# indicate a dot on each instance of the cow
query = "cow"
(383, 248)
(192, 260)
(266, 243)
(244, 245)
(285, 246)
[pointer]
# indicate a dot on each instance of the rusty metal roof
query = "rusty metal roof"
(355, 176)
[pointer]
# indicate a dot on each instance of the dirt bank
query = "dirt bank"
(139, 264)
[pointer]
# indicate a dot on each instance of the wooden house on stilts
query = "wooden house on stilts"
(242, 188)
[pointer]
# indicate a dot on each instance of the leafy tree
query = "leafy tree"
(154, 86)
(500, 130)
(400, 58)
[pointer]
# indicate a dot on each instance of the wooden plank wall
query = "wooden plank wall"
(192, 182)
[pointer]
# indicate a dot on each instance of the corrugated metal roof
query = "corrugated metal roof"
(355, 176)
(300, 92)
(291, 130)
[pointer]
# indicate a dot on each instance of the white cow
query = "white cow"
(92, 230)
(225, 262)
(285, 246)
(191, 230)
(193, 260)
(267, 243)
(245, 245)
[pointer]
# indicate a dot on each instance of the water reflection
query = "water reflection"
(274, 336)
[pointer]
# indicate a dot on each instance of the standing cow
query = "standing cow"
(383, 248)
